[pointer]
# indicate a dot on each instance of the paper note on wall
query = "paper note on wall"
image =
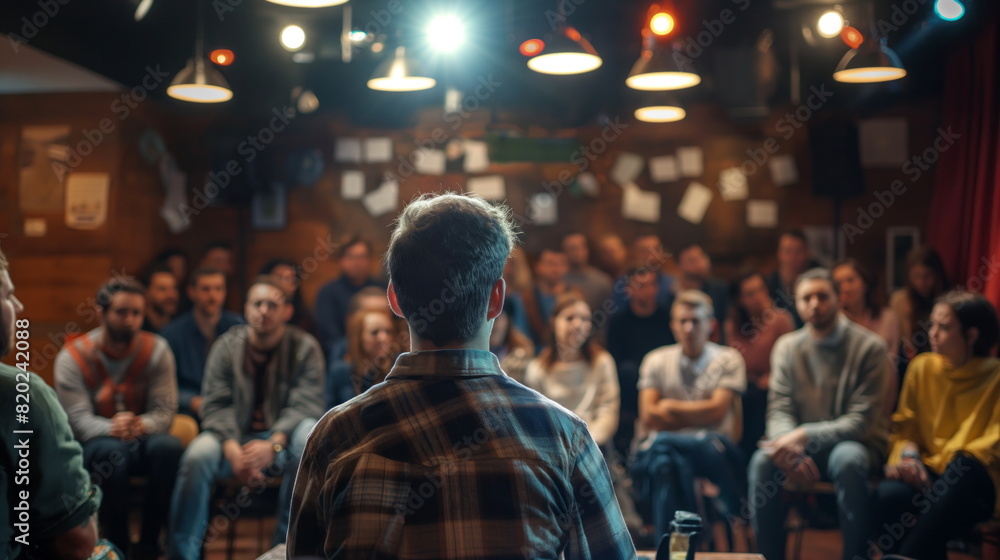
(490, 187)
(378, 150)
(87, 200)
(663, 169)
(762, 213)
(477, 157)
(347, 150)
(627, 168)
(382, 200)
(352, 184)
(692, 162)
(542, 209)
(733, 184)
(695, 203)
(640, 205)
(430, 162)
(783, 170)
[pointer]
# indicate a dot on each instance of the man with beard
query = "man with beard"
(161, 299)
(57, 477)
(262, 394)
(192, 334)
(118, 388)
(824, 418)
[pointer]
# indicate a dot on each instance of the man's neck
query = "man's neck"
(823, 332)
(643, 308)
(481, 341)
(549, 288)
(114, 348)
(267, 341)
(207, 322)
(693, 353)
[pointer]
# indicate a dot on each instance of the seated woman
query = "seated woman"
(925, 281)
(372, 348)
(857, 300)
(512, 347)
(753, 326)
(944, 468)
(575, 372)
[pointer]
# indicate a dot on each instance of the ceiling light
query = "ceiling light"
(852, 37)
(659, 108)
(142, 8)
(222, 57)
(293, 37)
(199, 82)
(446, 33)
(949, 10)
(872, 62)
(658, 69)
(357, 36)
(399, 73)
(531, 47)
(308, 3)
(566, 53)
(661, 23)
(830, 23)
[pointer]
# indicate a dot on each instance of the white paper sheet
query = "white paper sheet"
(542, 209)
(347, 150)
(588, 184)
(627, 167)
(378, 150)
(663, 169)
(87, 200)
(490, 187)
(695, 203)
(477, 157)
(640, 205)
(762, 213)
(783, 170)
(430, 162)
(382, 200)
(692, 161)
(352, 184)
(733, 184)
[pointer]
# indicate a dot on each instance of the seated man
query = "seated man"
(162, 299)
(828, 380)
(686, 395)
(263, 392)
(192, 334)
(118, 388)
(449, 458)
(50, 508)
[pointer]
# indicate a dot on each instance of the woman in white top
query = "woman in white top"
(575, 372)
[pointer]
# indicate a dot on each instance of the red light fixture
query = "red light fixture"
(222, 57)
(531, 47)
(851, 37)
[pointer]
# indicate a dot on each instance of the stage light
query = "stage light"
(222, 57)
(852, 37)
(293, 37)
(400, 73)
(661, 23)
(872, 62)
(949, 10)
(567, 53)
(531, 47)
(308, 3)
(446, 33)
(658, 107)
(830, 23)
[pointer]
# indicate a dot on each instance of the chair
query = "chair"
(801, 497)
(260, 505)
(705, 492)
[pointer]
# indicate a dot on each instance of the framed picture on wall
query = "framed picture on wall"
(268, 209)
(821, 244)
(899, 241)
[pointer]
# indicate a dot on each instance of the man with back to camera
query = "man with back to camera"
(449, 458)
(58, 529)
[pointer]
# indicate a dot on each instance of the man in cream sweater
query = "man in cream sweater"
(823, 420)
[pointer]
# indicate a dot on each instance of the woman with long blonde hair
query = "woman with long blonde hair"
(372, 347)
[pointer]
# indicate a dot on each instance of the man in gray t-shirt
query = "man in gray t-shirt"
(687, 393)
(823, 419)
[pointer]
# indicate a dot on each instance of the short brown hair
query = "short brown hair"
(269, 280)
(116, 285)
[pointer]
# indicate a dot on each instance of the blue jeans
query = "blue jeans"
(847, 464)
(202, 465)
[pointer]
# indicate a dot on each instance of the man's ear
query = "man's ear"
(390, 292)
(497, 295)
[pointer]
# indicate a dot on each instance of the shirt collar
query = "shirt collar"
(833, 339)
(698, 364)
(445, 363)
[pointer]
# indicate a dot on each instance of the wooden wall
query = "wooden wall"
(57, 275)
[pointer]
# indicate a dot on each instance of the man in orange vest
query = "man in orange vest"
(118, 388)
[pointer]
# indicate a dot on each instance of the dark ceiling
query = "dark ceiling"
(103, 36)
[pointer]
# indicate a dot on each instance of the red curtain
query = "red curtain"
(965, 217)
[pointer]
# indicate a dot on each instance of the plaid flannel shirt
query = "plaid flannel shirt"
(449, 458)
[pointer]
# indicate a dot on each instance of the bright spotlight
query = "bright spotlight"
(446, 33)
(661, 23)
(949, 10)
(830, 24)
(293, 37)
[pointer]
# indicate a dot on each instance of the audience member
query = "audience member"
(355, 258)
(218, 255)
(176, 262)
(925, 282)
(594, 284)
(517, 274)
(288, 273)
(753, 326)
(372, 349)
(943, 474)
(511, 346)
(648, 254)
(793, 260)
(510, 473)
(642, 326)
(162, 299)
(262, 393)
(687, 394)
(118, 388)
(612, 256)
(857, 300)
(192, 334)
(371, 298)
(824, 418)
(56, 516)
(575, 372)
(695, 273)
(550, 282)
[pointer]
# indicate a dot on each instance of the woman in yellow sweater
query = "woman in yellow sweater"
(944, 453)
